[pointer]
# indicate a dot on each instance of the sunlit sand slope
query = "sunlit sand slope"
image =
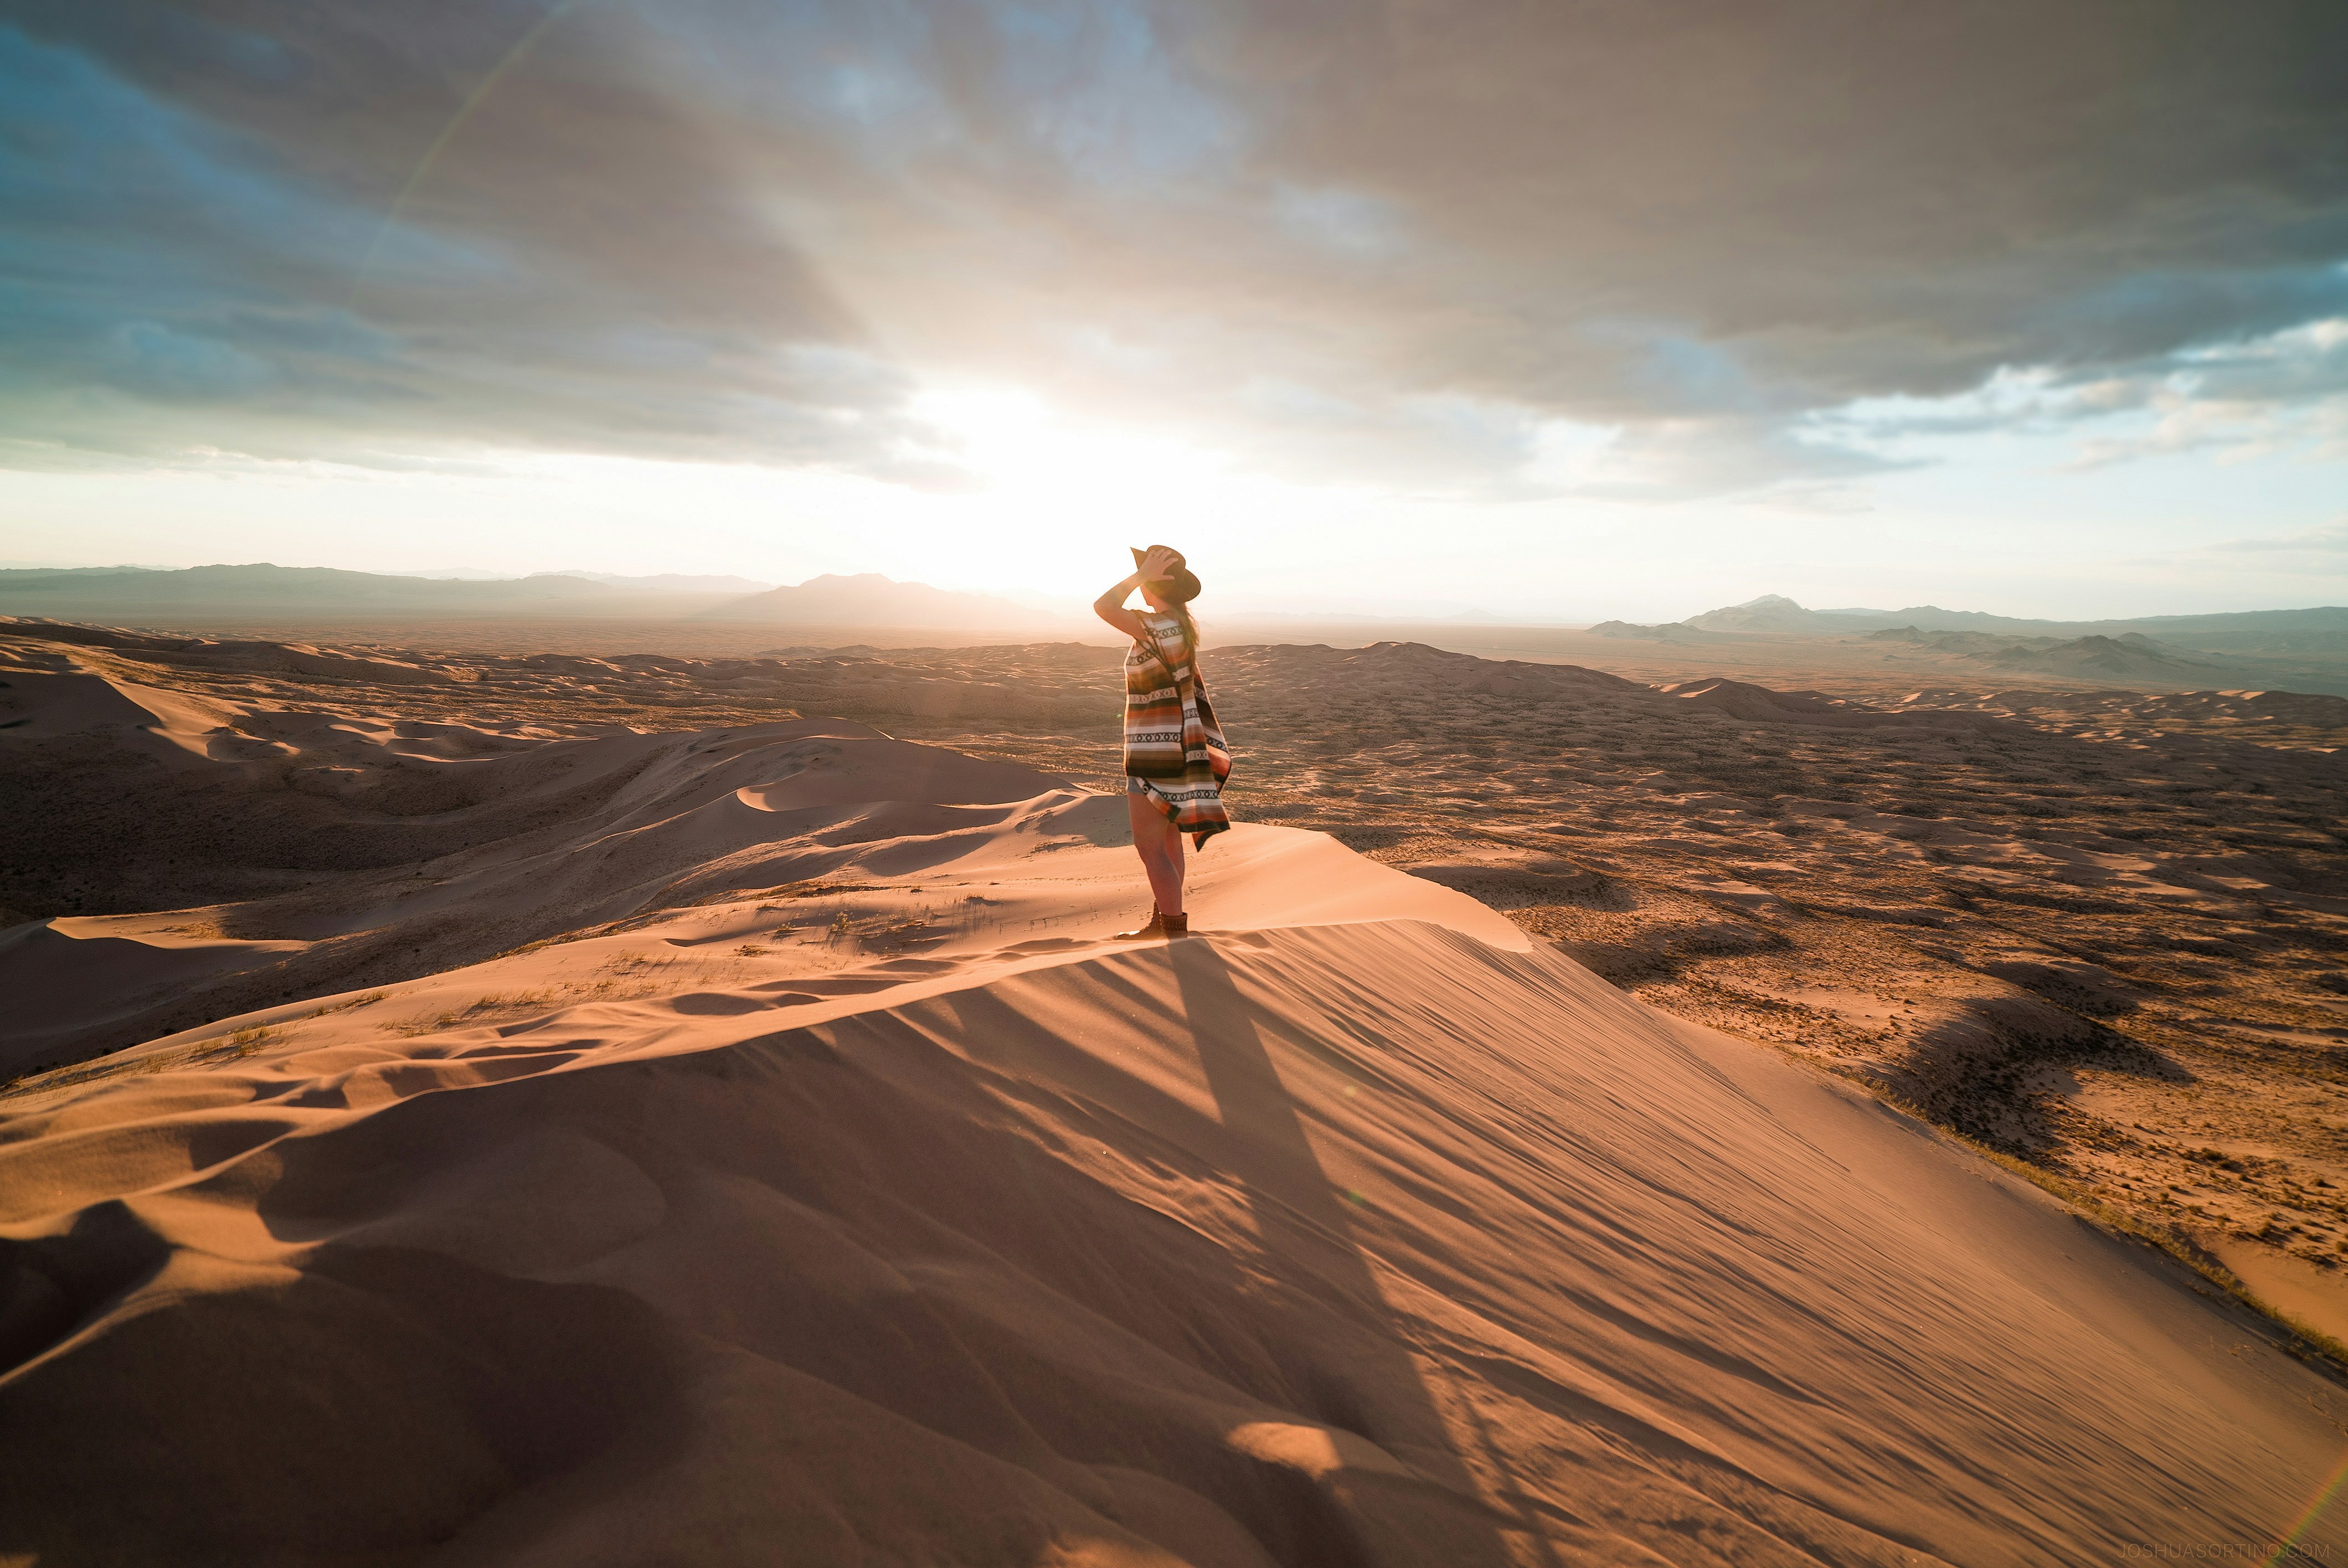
(1352, 1231)
(403, 847)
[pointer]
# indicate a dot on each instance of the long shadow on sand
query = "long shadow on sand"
(1375, 1390)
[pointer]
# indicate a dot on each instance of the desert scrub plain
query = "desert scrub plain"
(2103, 933)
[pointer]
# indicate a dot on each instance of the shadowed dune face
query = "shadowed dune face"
(2101, 930)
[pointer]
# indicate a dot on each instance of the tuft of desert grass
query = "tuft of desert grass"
(488, 1004)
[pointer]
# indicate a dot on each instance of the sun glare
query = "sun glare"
(1073, 490)
(1028, 453)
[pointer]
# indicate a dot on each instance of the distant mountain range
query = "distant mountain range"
(868, 599)
(275, 591)
(660, 582)
(2322, 629)
(265, 592)
(195, 597)
(2131, 656)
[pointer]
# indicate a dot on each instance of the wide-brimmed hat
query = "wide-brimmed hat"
(1180, 589)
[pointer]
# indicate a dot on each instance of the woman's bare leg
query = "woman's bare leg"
(1159, 844)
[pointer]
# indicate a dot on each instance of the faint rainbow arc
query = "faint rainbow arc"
(497, 73)
(2289, 1547)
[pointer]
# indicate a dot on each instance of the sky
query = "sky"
(1559, 311)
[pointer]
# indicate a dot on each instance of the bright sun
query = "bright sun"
(1042, 469)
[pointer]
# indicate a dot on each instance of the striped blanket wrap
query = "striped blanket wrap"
(1172, 743)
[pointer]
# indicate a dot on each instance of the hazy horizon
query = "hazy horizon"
(1240, 608)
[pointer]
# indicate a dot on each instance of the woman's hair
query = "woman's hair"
(1181, 613)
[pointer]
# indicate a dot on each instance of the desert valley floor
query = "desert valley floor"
(574, 1106)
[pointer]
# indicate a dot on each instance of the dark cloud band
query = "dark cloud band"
(1385, 242)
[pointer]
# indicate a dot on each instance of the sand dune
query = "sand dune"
(1742, 700)
(1390, 1240)
(534, 836)
(2098, 930)
(817, 1183)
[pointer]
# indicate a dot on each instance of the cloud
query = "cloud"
(2329, 540)
(2285, 392)
(582, 277)
(1386, 244)
(2282, 393)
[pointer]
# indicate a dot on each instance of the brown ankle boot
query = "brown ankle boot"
(1174, 924)
(1157, 927)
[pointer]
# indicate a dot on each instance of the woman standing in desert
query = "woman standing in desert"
(1175, 758)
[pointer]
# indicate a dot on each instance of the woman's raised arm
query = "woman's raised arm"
(1110, 607)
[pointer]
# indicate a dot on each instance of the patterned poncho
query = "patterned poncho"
(1172, 743)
